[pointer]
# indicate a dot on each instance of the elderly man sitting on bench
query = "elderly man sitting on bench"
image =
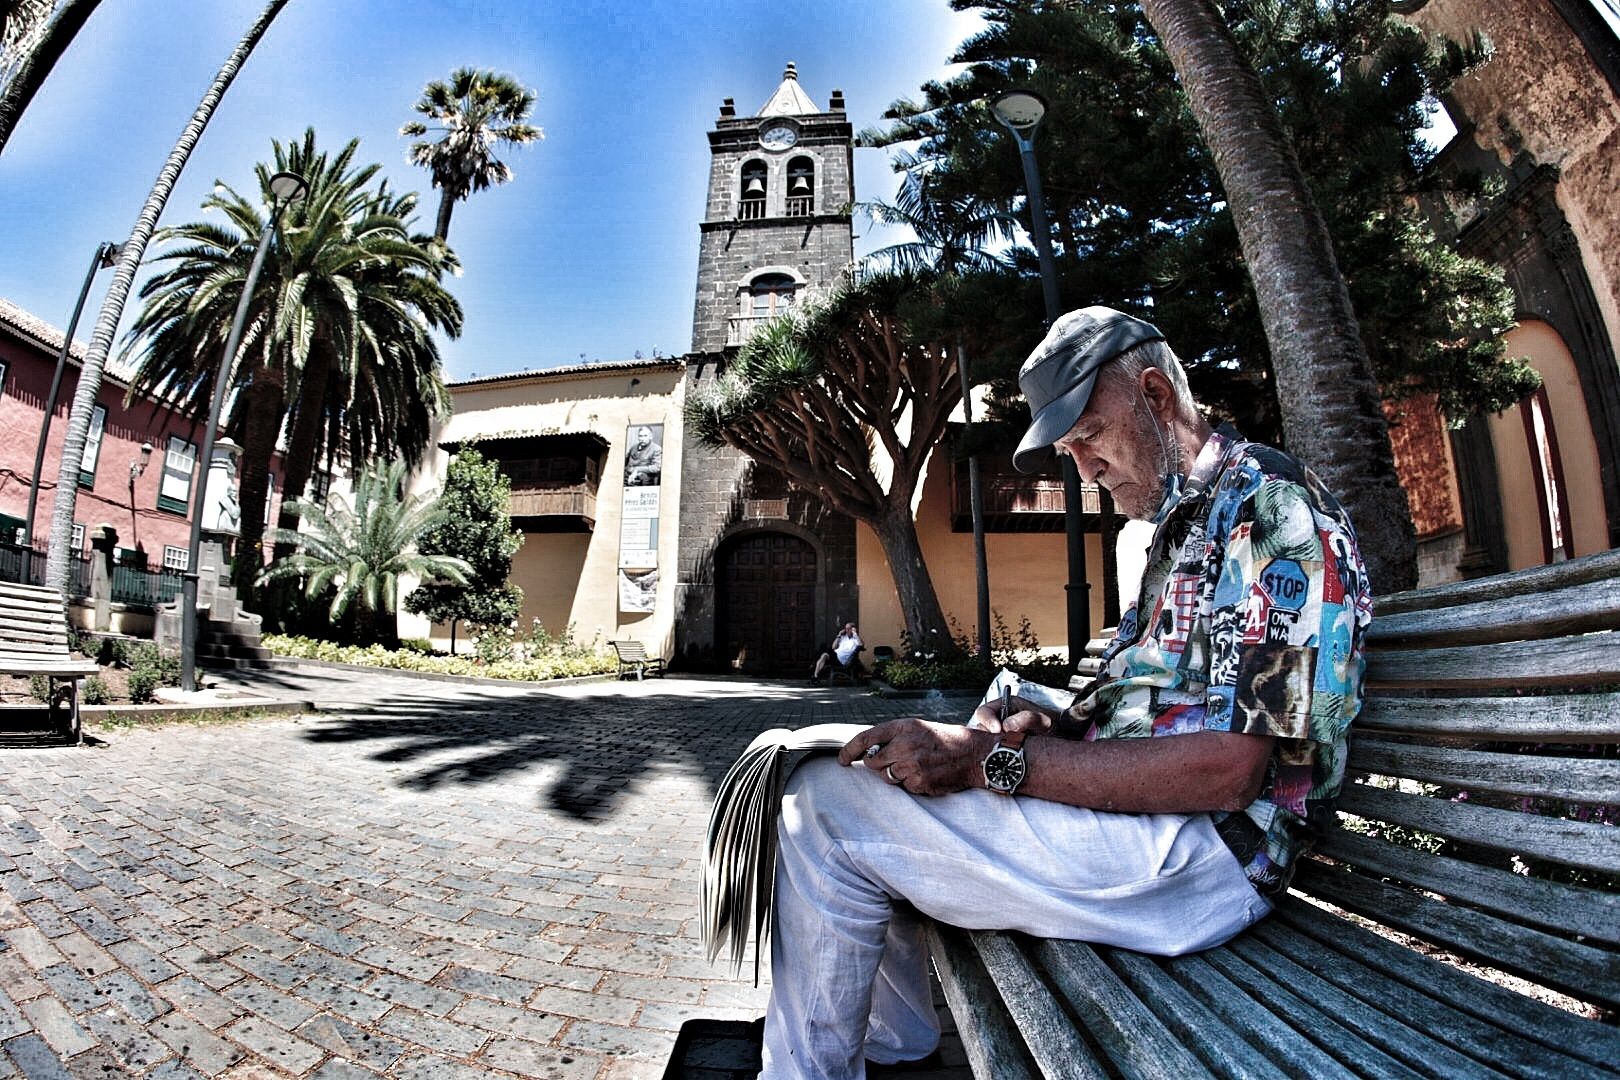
(1165, 808)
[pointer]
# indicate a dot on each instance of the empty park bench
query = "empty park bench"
(634, 661)
(33, 641)
(1480, 803)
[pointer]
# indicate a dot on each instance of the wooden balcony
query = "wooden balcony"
(553, 509)
(1014, 502)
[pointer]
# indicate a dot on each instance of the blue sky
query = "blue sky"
(589, 253)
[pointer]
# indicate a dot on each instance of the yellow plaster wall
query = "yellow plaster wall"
(1577, 450)
(579, 569)
(1027, 573)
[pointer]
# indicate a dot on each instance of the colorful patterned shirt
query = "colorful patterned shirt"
(1258, 603)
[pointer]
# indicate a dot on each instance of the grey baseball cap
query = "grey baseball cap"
(1058, 376)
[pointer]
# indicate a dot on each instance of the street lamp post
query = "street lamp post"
(285, 188)
(1021, 112)
(106, 255)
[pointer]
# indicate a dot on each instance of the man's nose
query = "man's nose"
(1086, 462)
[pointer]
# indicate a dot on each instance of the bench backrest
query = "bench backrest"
(33, 623)
(1482, 800)
(630, 650)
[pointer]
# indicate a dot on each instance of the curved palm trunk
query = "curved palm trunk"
(112, 307)
(919, 603)
(265, 406)
(1332, 413)
(33, 71)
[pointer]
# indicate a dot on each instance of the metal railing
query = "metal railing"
(132, 583)
(139, 587)
(801, 205)
(751, 210)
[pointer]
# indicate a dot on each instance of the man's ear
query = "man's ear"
(1159, 394)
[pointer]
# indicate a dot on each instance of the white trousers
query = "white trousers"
(850, 973)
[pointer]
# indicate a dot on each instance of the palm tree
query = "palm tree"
(475, 111)
(340, 334)
(1332, 413)
(112, 306)
(951, 235)
(364, 551)
(33, 38)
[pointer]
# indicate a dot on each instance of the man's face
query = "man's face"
(643, 437)
(1115, 444)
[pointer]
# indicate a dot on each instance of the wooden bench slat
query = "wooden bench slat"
(1404, 1038)
(1563, 718)
(1327, 1029)
(1551, 905)
(61, 669)
(1052, 1040)
(990, 1040)
(1496, 1046)
(1190, 1019)
(1603, 565)
(1248, 1018)
(1589, 780)
(1589, 659)
(1576, 843)
(1546, 1024)
(1592, 606)
(1582, 970)
(1136, 1041)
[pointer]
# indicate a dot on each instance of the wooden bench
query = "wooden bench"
(634, 661)
(33, 641)
(1482, 797)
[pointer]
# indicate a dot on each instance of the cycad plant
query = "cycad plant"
(339, 348)
(473, 113)
(362, 551)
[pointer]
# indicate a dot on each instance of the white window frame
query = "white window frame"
(77, 541)
(176, 558)
(178, 454)
(92, 446)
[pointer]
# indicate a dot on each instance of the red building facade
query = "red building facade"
(149, 506)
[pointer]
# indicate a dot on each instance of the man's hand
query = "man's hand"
(927, 758)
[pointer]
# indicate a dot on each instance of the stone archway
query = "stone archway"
(765, 617)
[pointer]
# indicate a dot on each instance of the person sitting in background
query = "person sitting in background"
(845, 652)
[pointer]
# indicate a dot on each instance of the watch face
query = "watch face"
(1004, 770)
(778, 137)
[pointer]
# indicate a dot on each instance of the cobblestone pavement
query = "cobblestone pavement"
(434, 881)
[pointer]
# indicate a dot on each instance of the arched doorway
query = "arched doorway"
(766, 617)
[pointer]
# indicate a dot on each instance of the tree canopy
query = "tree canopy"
(1140, 218)
(477, 528)
(475, 112)
(339, 346)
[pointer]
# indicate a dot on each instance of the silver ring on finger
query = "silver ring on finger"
(888, 770)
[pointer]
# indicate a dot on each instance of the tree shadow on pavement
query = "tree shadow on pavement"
(600, 745)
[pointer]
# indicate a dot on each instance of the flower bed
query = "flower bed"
(536, 668)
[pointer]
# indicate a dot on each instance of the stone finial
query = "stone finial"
(791, 72)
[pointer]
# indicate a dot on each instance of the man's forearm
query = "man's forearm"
(1202, 771)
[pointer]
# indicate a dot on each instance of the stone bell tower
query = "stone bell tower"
(765, 570)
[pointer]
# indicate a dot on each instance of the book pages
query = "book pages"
(739, 853)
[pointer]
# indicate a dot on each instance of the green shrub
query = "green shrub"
(149, 668)
(95, 691)
(561, 658)
(39, 687)
(418, 645)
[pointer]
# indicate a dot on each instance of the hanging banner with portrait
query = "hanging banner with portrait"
(638, 516)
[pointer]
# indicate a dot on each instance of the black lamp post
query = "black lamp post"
(1021, 112)
(285, 188)
(106, 255)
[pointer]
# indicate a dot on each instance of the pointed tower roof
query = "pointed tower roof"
(789, 99)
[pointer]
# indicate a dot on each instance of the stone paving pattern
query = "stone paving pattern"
(425, 880)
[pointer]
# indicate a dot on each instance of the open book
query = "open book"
(739, 856)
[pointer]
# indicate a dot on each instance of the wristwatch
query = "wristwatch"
(1004, 768)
